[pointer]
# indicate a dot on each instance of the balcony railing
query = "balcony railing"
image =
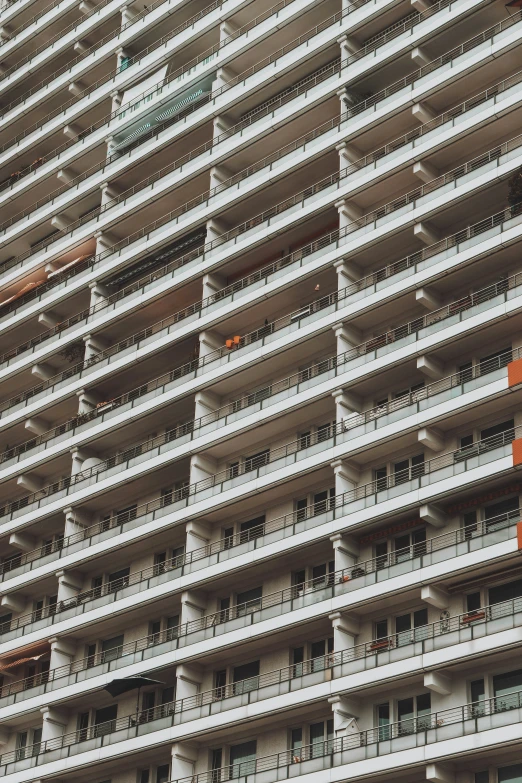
(456, 310)
(370, 102)
(401, 407)
(383, 38)
(323, 74)
(378, 569)
(434, 727)
(410, 199)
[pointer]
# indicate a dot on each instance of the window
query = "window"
(495, 360)
(324, 500)
(118, 580)
(105, 720)
(172, 628)
(216, 763)
(257, 460)
(163, 773)
(251, 529)
(249, 601)
(319, 652)
(465, 372)
(410, 545)
(511, 774)
(112, 648)
(380, 476)
(243, 759)
(83, 726)
(383, 721)
(483, 777)
(505, 684)
(246, 677)
(228, 537)
(469, 525)
(296, 743)
(473, 601)
(414, 708)
(304, 440)
(321, 736)
(478, 695)
(505, 592)
(220, 684)
(381, 629)
(297, 661)
(411, 627)
(498, 515)
(127, 514)
(492, 437)
(321, 574)
(408, 469)
(301, 507)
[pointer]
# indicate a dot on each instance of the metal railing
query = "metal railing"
(408, 199)
(373, 652)
(332, 582)
(366, 160)
(362, 106)
(27, 560)
(382, 735)
(412, 328)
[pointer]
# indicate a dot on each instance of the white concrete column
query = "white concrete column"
(83, 459)
(347, 273)
(349, 212)
(104, 241)
(215, 229)
(48, 319)
(227, 29)
(116, 99)
(218, 175)
(87, 401)
(99, 293)
(439, 773)
(30, 482)
(205, 402)
(201, 468)
(109, 192)
(76, 520)
(76, 88)
(6, 32)
(13, 602)
(347, 99)
(212, 283)
(222, 126)
(347, 337)
(86, 7)
(425, 171)
(5, 734)
(435, 596)
(128, 14)
(423, 112)
(431, 438)
(209, 342)
(183, 760)
(66, 176)
(193, 606)
(346, 628)
(346, 476)
(428, 298)
(346, 551)
(94, 345)
(197, 536)
(62, 222)
(419, 56)
(188, 681)
(438, 683)
(81, 47)
(426, 233)
(433, 515)
(224, 77)
(72, 131)
(430, 367)
(62, 652)
(54, 721)
(420, 5)
(348, 154)
(347, 405)
(22, 541)
(36, 425)
(43, 371)
(70, 583)
(349, 45)
(345, 710)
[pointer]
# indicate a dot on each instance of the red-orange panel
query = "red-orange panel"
(517, 451)
(519, 534)
(515, 372)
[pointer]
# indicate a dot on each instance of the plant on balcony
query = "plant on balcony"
(73, 353)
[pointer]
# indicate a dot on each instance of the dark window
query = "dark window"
(251, 529)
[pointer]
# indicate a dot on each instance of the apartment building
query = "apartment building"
(261, 391)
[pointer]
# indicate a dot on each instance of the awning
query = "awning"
(31, 653)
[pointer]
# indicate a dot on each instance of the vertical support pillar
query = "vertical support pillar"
(62, 652)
